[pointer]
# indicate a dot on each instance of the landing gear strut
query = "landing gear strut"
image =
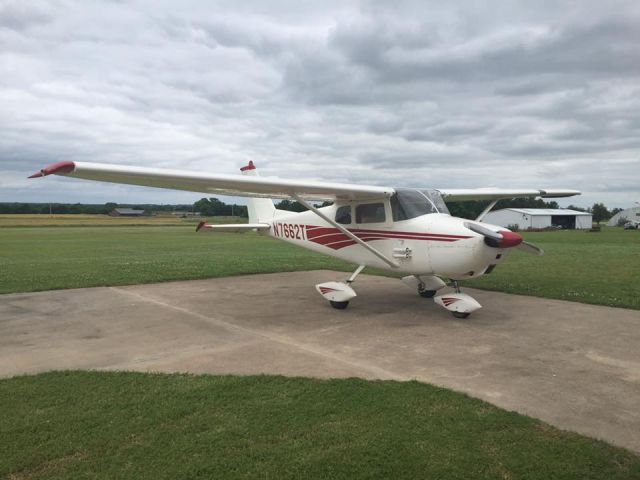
(339, 293)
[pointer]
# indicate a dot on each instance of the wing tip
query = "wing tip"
(200, 225)
(65, 166)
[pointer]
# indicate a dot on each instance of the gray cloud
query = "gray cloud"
(414, 93)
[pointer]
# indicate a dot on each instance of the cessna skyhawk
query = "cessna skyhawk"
(407, 230)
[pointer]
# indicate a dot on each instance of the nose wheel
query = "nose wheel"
(427, 293)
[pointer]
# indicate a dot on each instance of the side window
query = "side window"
(343, 215)
(370, 213)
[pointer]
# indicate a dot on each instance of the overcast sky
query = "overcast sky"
(430, 94)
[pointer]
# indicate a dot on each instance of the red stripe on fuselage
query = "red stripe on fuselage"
(335, 239)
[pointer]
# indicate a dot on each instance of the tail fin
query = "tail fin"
(260, 209)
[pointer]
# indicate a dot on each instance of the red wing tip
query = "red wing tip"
(251, 166)
(200, 225)
(66, 166)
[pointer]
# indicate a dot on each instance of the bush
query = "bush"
(514, 227)
(622, 221)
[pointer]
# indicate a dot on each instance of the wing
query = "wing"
(236, 185)
(460, 195)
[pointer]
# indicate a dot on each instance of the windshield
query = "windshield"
(409, 203)
(436, 198)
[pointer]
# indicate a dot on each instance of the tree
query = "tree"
(616, 210)
(600, 212)
(577, 209)
(290, 206)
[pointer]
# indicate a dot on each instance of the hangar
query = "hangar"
(126, 212)
(630, 214)
(534, 218)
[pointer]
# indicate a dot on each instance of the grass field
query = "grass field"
(131, 425)
(61, 220)
(600, 268)
(591, 267)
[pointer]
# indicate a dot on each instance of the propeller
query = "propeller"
(530, 248)
(503, 239)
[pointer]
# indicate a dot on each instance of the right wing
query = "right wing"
(235, 185)
(464, 194)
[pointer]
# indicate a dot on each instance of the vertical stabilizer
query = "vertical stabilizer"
(260, 209)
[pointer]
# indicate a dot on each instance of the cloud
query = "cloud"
(414, 93)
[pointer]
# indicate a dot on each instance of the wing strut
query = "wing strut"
(361, 242)
(486, 210)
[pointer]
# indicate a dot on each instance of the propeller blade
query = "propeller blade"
(530, 248)
(502, 239)
(487, 232)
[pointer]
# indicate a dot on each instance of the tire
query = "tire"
(339, 305)
(460, 314)
(427, 293)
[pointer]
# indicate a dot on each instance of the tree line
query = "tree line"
(213, 207)
(85, 208)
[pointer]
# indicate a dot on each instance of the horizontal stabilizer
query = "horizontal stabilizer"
(232, 228)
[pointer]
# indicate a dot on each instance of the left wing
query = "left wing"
(236, 185)
(461, 195)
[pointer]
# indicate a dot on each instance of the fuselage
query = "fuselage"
(429, 244)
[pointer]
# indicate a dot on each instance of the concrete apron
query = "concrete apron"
(575, 366)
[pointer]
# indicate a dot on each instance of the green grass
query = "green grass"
(33, 259)
(132, 425)
(600, 268)
(81, 220)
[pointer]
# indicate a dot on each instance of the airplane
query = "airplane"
(405, 230)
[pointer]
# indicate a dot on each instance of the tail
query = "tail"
(260, 209)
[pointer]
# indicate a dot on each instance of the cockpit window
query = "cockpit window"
(370, 213)
(409, 203)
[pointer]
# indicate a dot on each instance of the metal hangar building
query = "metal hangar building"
(540, 218)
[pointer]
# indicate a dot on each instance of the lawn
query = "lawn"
(133, 425)
(33, 259)
(600, 268)
(69, 220)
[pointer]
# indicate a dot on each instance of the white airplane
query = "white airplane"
(406, 230)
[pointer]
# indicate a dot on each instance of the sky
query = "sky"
(404, 93)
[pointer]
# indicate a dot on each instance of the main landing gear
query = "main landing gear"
(339, 293)
(459, 304)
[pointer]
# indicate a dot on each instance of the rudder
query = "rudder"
(260, 209)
